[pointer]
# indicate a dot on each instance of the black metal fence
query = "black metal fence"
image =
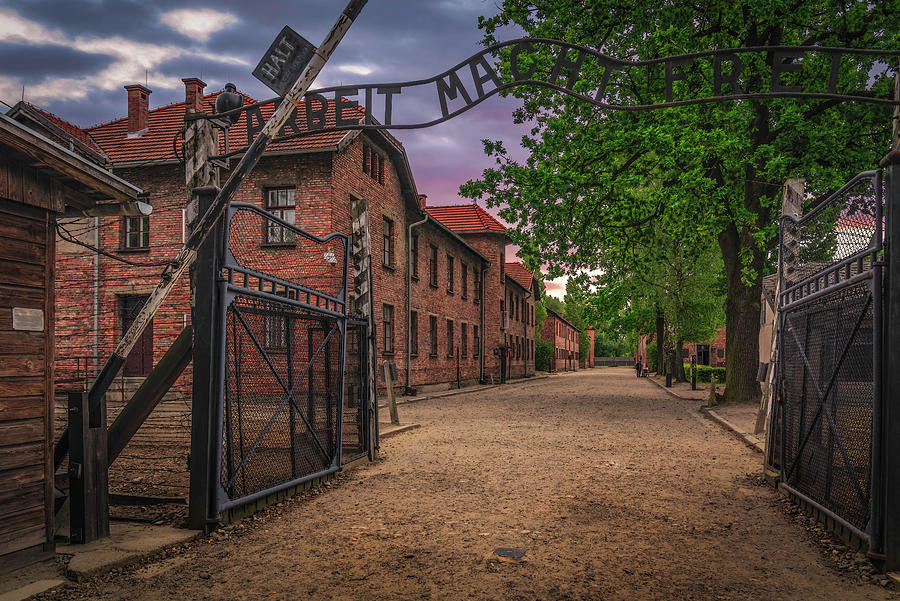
(829, 354)
(283, 316)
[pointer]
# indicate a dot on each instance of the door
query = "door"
(140, 361)
(703, 354)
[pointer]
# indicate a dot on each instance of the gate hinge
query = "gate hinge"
(75, 470)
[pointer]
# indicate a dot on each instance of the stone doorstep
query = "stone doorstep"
(127, 542)
(31, 589)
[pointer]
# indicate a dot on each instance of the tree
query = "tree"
(593, 180)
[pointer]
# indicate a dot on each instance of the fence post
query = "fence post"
(206, 388)
(890, 430)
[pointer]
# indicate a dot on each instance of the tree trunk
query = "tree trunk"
(660, 352)
(678, 362)
(742, 306)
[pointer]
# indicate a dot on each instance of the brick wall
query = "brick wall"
(716, 349)
(324, 183)
(519, 304)
(564, 339)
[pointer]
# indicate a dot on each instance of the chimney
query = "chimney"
(138, 101)
(422, 199)
(193, 93)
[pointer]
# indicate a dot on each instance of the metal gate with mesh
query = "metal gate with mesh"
(829, 354)
(282, 313)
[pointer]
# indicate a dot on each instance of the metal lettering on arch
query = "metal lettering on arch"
(810, 72)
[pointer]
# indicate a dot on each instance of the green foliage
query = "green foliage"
(542, 353)
(619, 190)
(652, 357)
(704, 372)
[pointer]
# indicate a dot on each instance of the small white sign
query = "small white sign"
(28, 320)
(330, 257)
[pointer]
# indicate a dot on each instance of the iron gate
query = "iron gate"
(283, 316)
(829, 353)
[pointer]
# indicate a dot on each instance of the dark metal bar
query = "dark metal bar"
(891, 392)
(205, 315)
(854, 529)
(126, 499)
(289, 325)
(876, 523)
(860, 277)
(150, 393)
(225, 504)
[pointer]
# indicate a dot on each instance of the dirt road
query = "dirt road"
(612, 488)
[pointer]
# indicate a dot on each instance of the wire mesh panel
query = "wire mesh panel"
(829, 347)
(282, 395)
(356, 394)
(827, 386)
(284, 322)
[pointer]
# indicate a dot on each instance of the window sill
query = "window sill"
(450, 292)
(388, 267)
(433, 285)
(388, 354)
(432, 355)
(278, 245)
(134, 249)
(414, 278)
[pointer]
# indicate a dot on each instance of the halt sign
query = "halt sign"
(284, 61)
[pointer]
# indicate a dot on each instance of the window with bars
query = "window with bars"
(387, 230)
(476, 346)
(275, 332)
(414, 333)
(432, 265)
(373, 164)
(136, 233)
(387, 328)
(449, 337)
(464, 339)
(281, 203)
(464, 276)
(477, 276)
(414, 256)
(432, 335)
(450, 278)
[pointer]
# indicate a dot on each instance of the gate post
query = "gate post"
(890, 427)
(206, 385)
(200, 179)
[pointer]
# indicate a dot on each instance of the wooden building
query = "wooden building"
(40, 181)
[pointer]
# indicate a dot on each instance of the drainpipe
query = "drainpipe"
(484, 268)
(409, 272)
(96, 341)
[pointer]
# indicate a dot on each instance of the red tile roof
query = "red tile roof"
(520, 273)
(70, 128)
(464, 218)
(166, 122)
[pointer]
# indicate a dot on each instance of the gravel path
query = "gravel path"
(614, 489)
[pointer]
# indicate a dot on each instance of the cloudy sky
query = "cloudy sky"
(72, 57)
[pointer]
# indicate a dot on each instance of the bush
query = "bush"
(542, 353)
(651, 357)
(704, 372)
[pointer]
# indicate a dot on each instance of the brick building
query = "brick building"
(440, 284)
(564, 338)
